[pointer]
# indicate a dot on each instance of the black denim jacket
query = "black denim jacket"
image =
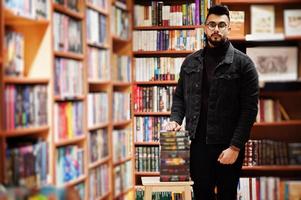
(232, 102)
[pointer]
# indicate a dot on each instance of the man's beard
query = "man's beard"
(215, 43)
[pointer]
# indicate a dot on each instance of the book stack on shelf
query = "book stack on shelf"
(25, 70)
(174, 156)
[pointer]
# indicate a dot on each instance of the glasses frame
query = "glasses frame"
(211, 28)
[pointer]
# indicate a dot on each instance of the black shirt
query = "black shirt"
(212, 57)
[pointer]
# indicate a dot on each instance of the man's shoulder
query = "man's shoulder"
(195, 56)
(242, 56)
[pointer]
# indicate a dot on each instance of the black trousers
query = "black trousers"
(207, 173)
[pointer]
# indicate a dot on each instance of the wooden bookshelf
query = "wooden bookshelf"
(122, 161)
(67, 11)
(75, 140)
(69, 55)
(152, 113)
(117, 39)
(12, 17)
(147, 173)
(162, 53)
(34, 63)
(99, 162)
(25, 81)
(25, 131)
(98, 82)
(168, 27)
(96, 8)
(70, 98)
(156, 83)
(75, 182)
(98, 126)
(75, 56)
(122, 123)
(286, 171)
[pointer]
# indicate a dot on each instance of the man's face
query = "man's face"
(217, 29)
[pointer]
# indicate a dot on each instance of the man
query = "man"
(217, 92)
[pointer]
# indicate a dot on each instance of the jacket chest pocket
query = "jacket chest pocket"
(192, 80)
(228, 84)
(227, 93)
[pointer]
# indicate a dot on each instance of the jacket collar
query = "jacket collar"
(228, 57)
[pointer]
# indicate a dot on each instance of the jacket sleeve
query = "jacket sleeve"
(249, 93)
(178, 104)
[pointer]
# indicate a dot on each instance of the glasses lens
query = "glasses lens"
(222, 25)
(211, 25)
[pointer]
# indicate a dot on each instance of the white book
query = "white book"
(262, 19)
(292, 22)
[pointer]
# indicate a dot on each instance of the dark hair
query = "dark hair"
(218, 10)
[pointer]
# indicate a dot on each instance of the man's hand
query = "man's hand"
(172, 126)
(228, 156)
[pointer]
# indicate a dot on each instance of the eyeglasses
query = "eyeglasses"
(221, 26)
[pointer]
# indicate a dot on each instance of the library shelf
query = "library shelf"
(162, 53)
(243, 39)
(124, 192)
(121, 84)
(71, 55)
(146, 143)
(25, 131)
(277, 130)
(64, 142)
(98, 126)
(259, 1)
(69, 98)
(97, 45)
(117, 39)
(297, 38)
(276, 170)
(141, 28)
(12, 17)
(122, 161)
(99, 82)
(67, 11)
(96, 8)
(147, 173)
(75, 181)
(99, 162)
(168, 82)
(25, 80)
(237, 38)
(281, 123)
(152, 113)
(104, 196)
(122, 123)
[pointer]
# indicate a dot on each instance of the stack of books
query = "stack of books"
(175, 156)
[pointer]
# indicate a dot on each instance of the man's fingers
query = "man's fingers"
(178, 128)
(220, 156)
